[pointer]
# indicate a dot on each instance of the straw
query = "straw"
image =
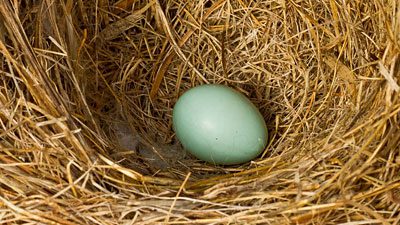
(87, 90)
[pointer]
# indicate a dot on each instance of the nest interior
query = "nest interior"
(87, 91)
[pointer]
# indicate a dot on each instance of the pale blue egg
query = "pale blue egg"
(219, 125)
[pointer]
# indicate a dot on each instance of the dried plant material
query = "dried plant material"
(344, 73)
(3, 32)
(113, 30)
(124, 4)
(167, 61)
(303, 63)
(394, 195)
(389, 76)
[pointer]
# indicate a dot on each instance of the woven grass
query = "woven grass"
(87, 90)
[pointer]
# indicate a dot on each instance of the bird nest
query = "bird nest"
(87, 91)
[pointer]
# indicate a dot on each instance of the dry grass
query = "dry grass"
(87, 89)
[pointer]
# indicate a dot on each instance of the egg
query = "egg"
(219, 125)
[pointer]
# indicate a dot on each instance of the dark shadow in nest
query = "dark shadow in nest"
(143, 151)
(149, 155)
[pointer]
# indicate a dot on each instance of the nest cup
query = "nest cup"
(88, 87)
